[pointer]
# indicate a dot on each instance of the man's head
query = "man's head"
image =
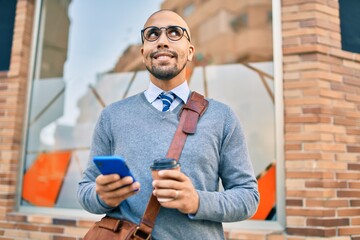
(166, 45)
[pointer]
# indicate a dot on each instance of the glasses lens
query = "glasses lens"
(174, 33)
(152, 33)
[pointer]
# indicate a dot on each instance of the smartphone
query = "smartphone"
(112, 164)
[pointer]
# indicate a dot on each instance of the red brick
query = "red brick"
(355, 115)
(329, 77)
(301, 156)
(332, 94)
(345, 121)
(312, 232)
(85, 223)
(354, 185)
(329, 203)
(355, 149)
(353, 98)
(348, 175)
(16, 217)
(302, 119)
(324, 147)
(355, 221)
(354, 166)
(312, 110)
(52, 229)
(326, 193)
(28, 227)
(292, 146)
(313, 212)
(346, 72)
(353, 131)
(291, 41)
(347, 139)
(347, 157)
(294, 128)
(7, 225)
(325, 184)
(66, 222)
(308, 38)
(349, 194)
(349, 230)
(310, 175)
(327, 222)
(332, 111)
(348, 212)
(343, 88)
(303, 84)
(294, 202)
(355, 203)
(302, 137)
(56, 237)
(4, 238)
(352, 81)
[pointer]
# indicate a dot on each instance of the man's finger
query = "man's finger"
(107, 179)
(176, 175)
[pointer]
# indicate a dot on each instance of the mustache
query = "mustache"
(163, 51)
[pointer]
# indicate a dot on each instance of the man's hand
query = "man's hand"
(113, 190)
(177, 190)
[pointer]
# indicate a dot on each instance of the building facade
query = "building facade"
(318, 144)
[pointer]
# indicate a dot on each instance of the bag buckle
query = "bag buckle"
(142, 234)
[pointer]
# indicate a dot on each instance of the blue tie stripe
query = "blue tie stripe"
(167, 99)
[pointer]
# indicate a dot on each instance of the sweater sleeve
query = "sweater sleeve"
(240, 198)
(101, 145)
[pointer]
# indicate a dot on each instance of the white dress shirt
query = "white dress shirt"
(182, 93)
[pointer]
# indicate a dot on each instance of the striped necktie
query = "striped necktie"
(167, 98)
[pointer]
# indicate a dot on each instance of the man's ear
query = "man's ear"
(142, 54)
(191, 53)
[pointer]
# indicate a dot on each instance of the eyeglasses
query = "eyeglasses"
(174, 33)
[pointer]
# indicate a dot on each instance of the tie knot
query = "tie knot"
(167, 98)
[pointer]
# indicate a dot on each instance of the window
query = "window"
(269, 17)
(7, 19)
(350, 25)
(239, 22)
(93, 62)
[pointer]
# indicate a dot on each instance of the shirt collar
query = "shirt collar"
(182, 91)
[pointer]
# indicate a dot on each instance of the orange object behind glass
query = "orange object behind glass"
(267, 190)
(44, 178)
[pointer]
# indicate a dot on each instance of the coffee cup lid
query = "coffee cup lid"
(164, 163)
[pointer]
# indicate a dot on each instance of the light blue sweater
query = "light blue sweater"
(134, 129)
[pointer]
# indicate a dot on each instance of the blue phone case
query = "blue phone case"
(112, 164)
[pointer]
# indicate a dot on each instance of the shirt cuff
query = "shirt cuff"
(199, 213)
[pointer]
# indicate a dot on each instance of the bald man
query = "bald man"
(140, 129)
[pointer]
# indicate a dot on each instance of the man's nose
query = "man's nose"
(163, 40)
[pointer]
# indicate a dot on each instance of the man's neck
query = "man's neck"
(167, 85)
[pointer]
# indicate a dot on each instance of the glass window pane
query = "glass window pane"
(89, 56)
(349, 25)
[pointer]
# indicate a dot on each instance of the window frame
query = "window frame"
(276, 225)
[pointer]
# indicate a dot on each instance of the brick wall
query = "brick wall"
(13, 88)
(322, 132)
(322, 122)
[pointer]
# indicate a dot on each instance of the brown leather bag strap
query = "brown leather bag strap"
(189, 116)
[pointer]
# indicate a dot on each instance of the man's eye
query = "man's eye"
(152, 34)
(174, 32)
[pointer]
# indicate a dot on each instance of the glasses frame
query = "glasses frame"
(165, 28)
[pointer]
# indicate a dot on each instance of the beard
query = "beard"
(165, 73)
